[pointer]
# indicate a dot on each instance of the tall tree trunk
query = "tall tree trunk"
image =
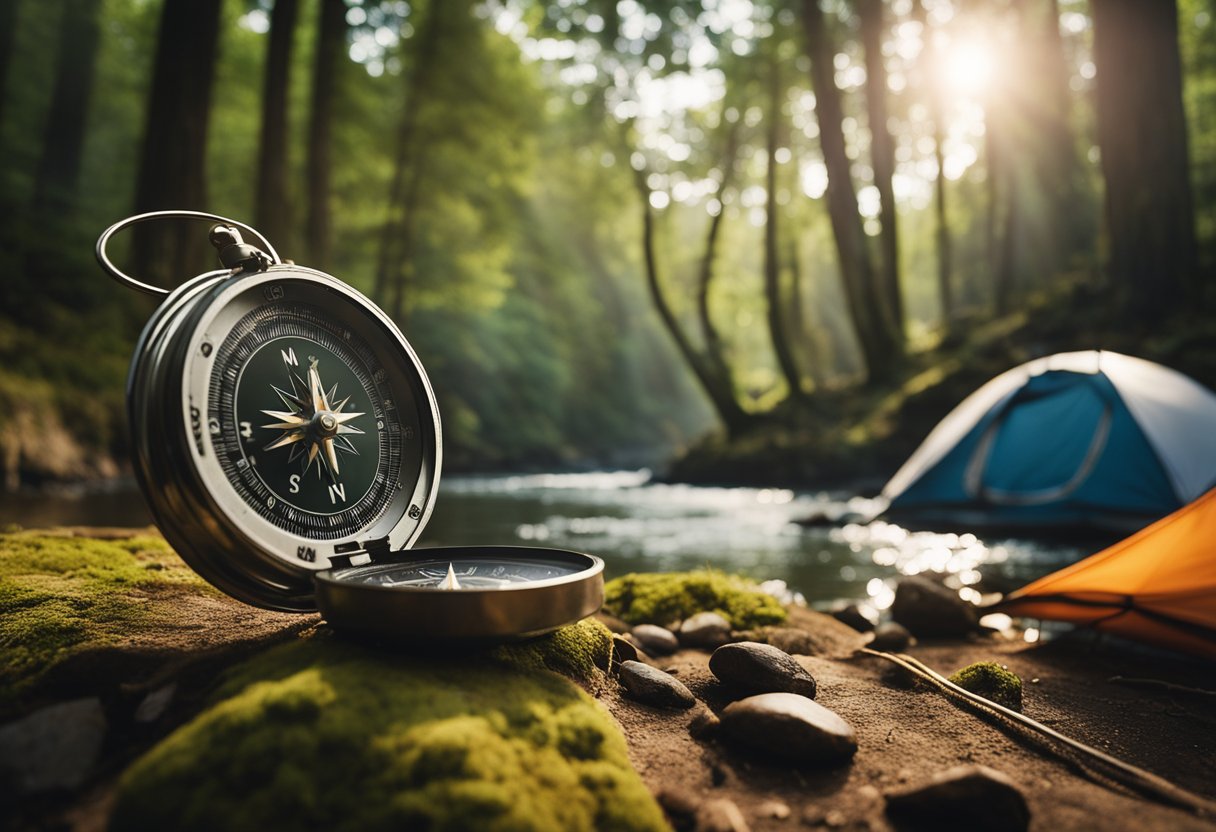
(172, 170)
(800, 333)
(396, 243)
(778, 331)
(58, 173)
(715, 352)
(272, 206)
(327, 64)
(720, 395)
(932, 70)
(874, 329)
(1142, 135)
(882, 153)
(8, 37)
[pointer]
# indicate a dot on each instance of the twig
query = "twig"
(1157, 683)
(1126, 774)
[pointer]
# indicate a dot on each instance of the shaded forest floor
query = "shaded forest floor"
(856, 437)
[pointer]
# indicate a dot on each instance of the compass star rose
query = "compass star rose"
(315, 424)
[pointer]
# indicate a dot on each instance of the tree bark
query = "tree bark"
(172, 170)
(396, 235)
(1142, 134)
(882, 154)
(720, 395)
(272, 204)
(932, 69)
(715, 352)
(58, 175)
(8, 36)
(868, 314)
(327, 64)
(777, 329)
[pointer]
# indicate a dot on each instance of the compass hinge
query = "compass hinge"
(236, 254)
(377, 548)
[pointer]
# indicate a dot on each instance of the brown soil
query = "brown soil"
(908, 732)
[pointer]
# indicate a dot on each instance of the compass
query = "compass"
(288, 443)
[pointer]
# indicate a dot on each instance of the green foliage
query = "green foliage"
(991, 681)
(64, 595)
(661, 598)
(325, 734)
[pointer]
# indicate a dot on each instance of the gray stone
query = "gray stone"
(760, 668)
(790, 727)
(720, 815)
(154, 704)
(658, 641)
(853, 616)
(890, 637)
(53, 749)
(705, 629)
(963, 797)
(930, 610)
(652, 686)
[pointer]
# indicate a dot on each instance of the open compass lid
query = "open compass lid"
(288, 442)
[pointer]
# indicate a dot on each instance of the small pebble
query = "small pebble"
(657, 640)
(155, 703)
(720, 815)
(963, 797)
(853, 616)
(704, 724)
(790, 727)
(761, 668)
(652, 686)
(890, 637)
(622, 651)
(773, 809)
(705, 629)
(678, 801)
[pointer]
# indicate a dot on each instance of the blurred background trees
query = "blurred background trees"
(610, 227)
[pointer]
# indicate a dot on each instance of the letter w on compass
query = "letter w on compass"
(314, 423)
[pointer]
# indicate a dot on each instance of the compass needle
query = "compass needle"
(450, 582)
(285, 439)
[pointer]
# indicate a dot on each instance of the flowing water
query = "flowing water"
(638, 525)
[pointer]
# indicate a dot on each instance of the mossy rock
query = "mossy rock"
(991, 681)
(326, 734)
(662, 598)
(75, 607)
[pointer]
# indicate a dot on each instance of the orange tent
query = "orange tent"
(1158, 586)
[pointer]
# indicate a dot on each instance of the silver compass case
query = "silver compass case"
(288, 442)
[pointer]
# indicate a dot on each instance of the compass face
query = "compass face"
(313, 426)
(457, 573)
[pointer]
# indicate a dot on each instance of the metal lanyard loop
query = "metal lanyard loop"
(122, 277)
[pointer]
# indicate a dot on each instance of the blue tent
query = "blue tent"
(1079, 440)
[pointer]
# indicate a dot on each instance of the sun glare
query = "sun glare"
(968, 68)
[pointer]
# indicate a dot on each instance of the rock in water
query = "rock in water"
(964, 797)
(853, 616)
(790, 727)
(705, 629)
(652, 686)
(761, 668)
(54, 748)
(890, 637)
(656, 640)
(930, 610)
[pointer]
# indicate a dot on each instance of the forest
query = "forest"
(769, 239)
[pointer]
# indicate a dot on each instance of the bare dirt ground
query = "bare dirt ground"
(906, 733)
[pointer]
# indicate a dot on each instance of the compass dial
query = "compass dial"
(461, 572)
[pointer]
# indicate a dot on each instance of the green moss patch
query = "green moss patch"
(991, 681)
(325, 734)
(582, 651)
(62, 594)
(661, 598)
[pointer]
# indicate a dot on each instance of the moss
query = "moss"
(661, 598)
(61, 594)
(582, 651)
(327, 734)
(991, 681)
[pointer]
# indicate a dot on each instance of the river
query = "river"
(636, 524)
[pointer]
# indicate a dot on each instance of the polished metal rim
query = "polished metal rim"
(409, 614)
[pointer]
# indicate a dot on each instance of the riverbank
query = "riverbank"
(124, 674)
